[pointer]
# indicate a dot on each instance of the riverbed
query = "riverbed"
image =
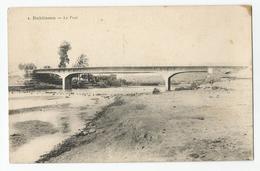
(39, 120)
(212, 122)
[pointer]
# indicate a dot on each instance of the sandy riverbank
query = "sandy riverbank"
(211, 123)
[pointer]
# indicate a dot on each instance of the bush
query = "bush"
(102, 84)
(194, 86)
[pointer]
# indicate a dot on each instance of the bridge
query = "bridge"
(167, 72)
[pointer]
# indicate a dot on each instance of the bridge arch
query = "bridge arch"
(168, 80)
(67, 80)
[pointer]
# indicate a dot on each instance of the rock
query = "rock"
(164, 130)
(198, 117)
(84, 133)
(91, 124)
(216, 141)
(156, 91)
(194, 155)
(92, 130)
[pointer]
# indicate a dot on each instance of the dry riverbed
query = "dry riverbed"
(39, 120)
(213, 122)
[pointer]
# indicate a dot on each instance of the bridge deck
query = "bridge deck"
(131, 69)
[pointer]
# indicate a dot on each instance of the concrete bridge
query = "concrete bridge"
(167, 72)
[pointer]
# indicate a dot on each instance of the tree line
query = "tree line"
(81, 62)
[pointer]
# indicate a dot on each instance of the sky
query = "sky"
(132, 36)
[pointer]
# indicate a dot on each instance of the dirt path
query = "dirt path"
(191, 125)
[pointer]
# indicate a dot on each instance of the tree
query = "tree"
(28, 68)
(21, 66)
(81, 62)
(63, 53)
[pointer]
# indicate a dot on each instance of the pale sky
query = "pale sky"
(133, 36)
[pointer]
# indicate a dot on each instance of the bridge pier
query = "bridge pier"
(66, 82)
(63, 83)
(169, 83)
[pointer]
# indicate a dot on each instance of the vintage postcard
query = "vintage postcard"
(130, 84)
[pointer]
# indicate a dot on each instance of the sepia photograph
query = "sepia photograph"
(122, 84)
